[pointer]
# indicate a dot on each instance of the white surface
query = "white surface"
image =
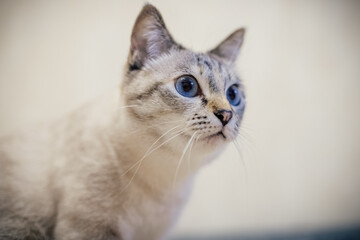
(301, 67)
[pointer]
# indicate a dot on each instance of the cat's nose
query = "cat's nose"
(223, 115)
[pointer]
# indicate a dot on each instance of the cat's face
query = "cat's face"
(197, 95)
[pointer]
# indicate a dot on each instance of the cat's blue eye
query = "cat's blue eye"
(233, 95)
(187, 86)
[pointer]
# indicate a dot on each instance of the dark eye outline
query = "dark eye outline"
(197, 91)
(239, 99)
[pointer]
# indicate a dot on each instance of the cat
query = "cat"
(122, 166)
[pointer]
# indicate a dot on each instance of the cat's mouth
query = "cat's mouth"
(218, 134)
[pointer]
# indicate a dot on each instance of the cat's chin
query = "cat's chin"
(216, 140)
(219, 134)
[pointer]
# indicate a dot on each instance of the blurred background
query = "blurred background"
(301, 67)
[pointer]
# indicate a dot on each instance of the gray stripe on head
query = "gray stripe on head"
(212, 83)
(211, 77)
(226, 76)
(220, 67)
(208, 65)
(202, 63)
(201, 69)
(221, 72)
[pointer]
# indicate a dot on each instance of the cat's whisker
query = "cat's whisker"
(161, 125)
(134, 106)
(243, 139)
(246, 138)
(127, 106)
(149, 149)
(245, 126)
(182, 157)
(189, 155)
(192, 145)
(197, 138)
(249, 148)
(195, 142)
(246, 175)
(237, 146)
(248, 145)
(158, 124)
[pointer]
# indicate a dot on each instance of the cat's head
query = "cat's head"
(171, 88)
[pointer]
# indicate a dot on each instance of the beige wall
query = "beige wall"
(301, 66)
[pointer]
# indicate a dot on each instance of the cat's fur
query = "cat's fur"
(79, 177)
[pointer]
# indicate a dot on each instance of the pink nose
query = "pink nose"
(223, 115)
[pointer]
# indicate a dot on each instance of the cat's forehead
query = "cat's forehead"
(209, 71)
(217, 74)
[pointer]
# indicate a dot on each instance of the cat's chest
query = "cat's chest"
(150, 216)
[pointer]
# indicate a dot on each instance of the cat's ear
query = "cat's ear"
(149, 38)
(228, 50)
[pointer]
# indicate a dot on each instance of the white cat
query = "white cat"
(122, 167)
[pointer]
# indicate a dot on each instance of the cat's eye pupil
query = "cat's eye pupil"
(233, 95)
(187, 86)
